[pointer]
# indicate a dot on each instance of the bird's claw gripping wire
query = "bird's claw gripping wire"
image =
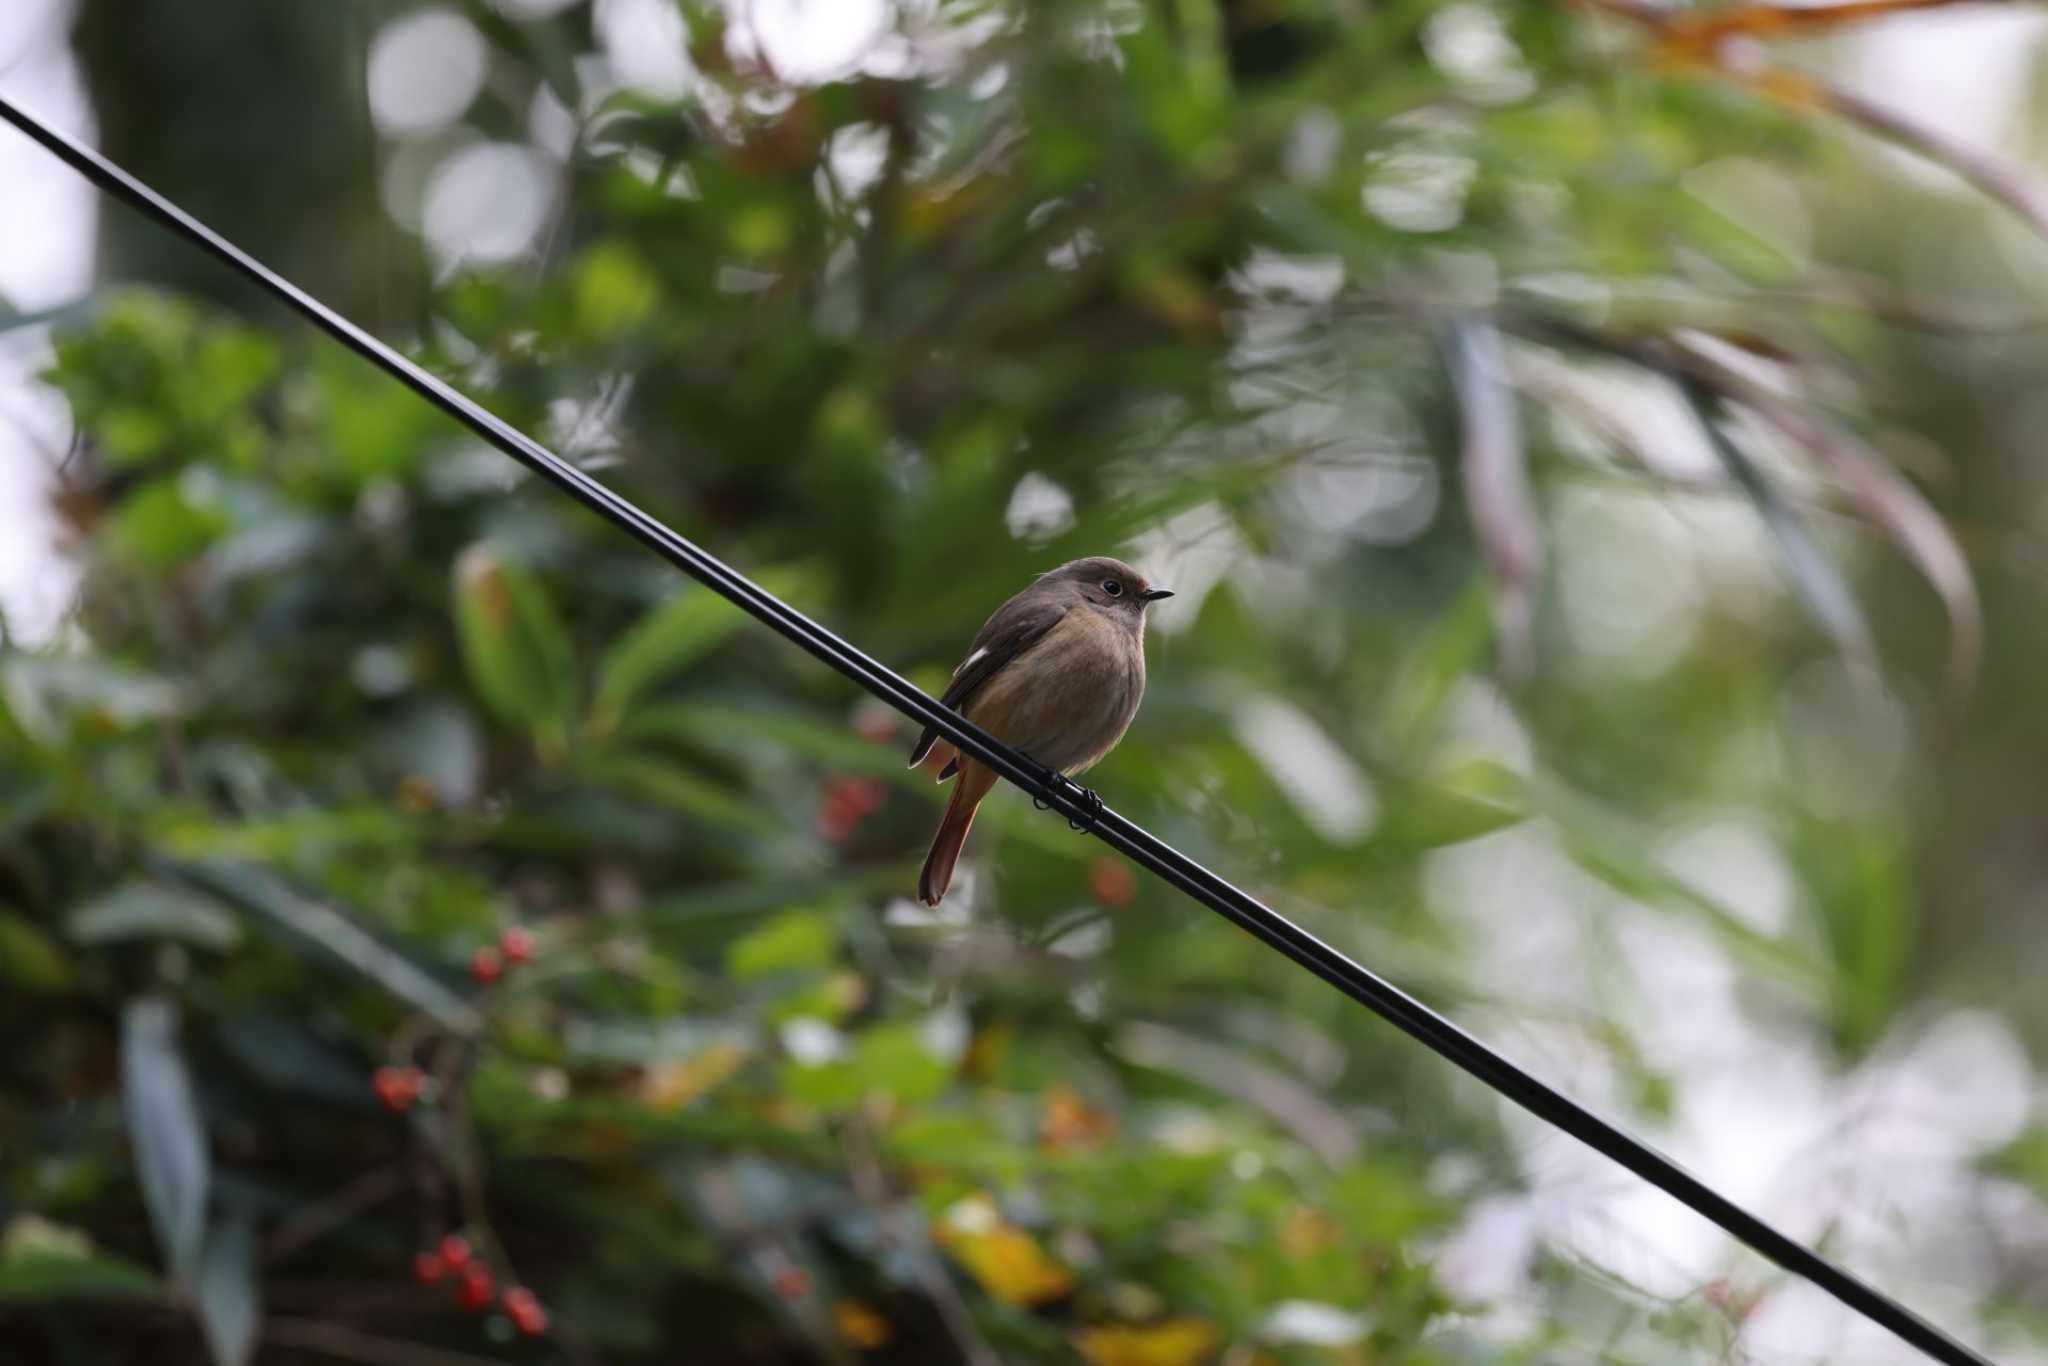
(1086, 798)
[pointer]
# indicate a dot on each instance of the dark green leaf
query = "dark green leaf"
(690, 624)
(229, 1308)
(42, 1261)
(145, 908)
(171, 1161)
(514, 644)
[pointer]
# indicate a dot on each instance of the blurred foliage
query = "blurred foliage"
(389, 852)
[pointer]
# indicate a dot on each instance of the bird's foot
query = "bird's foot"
(1050, 779)
(1092, 806)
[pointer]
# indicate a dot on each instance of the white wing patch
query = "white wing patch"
(968, 662)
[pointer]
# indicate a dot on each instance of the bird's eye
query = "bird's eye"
(1113, 588)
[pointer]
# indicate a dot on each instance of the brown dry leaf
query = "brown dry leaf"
(669, 1086)
(1306, 1231)
(1779, 21)
(1172, 1342)
(990, 1046)
(860, 1325)
(415, 795)
(1066, 1122)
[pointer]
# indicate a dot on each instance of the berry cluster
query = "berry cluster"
(454, 1260)
(845, 803)
(514, 949)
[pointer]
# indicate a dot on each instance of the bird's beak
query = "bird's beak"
(1155, 594)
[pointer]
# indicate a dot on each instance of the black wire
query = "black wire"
(1246, 912)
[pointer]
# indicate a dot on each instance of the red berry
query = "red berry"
(524, 1310)
(1112, 883)
(474, 1293)
(428, 1267)
(455, 1252)
(517, 944)
(486, 965)
(397, 1087)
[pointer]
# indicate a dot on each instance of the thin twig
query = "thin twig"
(1728, 43)
(324, 1216)
(2002, 180)
(350, 1345)
(871, 1184)
(1887, 499)
(1496, 482)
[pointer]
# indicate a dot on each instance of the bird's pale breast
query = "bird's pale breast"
(1068, 699)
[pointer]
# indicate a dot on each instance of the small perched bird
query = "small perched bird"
(1058, 673)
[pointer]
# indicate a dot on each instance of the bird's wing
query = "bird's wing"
(1016, 626)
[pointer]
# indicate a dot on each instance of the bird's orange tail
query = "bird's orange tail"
(974, 783)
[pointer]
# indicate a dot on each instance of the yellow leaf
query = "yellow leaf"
(1007, 1261)
(669, 1086)
(1172, 1342)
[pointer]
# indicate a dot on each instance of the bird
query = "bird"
(1056, 672)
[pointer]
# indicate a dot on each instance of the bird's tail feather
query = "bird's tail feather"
(946, 844)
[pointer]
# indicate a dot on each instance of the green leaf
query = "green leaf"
(1462, 802)
(171, 1161)
(289, 1056)
(655, 779)
(377, 429)
(130, 434)
(614, 290)
(144, 908)
(1860, 880)
(795, 941)
(1815, 579)
(40, 1260)
(515, 646)
(893, 1059)
(2025, 1160)
(725, 726)
(46, 695)
(1453, 648)
(30, 960)
(162, 524)
(229, 1311)
(1612, 850)
(331, 931)
(666, 640)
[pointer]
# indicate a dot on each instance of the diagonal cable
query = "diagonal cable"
(1248, 913)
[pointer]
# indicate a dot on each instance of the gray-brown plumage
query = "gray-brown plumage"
(1058, 673)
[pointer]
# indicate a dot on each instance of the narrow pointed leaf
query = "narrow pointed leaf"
(229, 1310)
(1496, 481)
(1815, 578)
(513, 643)
(171, 1161)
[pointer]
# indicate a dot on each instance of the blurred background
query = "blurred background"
(1597, 451)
